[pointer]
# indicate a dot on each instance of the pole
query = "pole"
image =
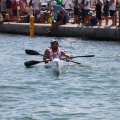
(31, 26)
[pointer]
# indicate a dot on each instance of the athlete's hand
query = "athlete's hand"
(70, 57)
(48, 60)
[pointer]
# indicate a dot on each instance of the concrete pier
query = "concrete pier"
(68, 30)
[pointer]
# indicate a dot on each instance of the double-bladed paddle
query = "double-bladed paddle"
(74, 62)
(32, 62)
(33, 52)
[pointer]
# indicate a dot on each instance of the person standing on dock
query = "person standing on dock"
(99, 4)
(3, 8)
(36, 5)
(9, 9)
(106, 12)
(14, 10)
(86, 11)
(112, 9)
(82, 10)
(76, 11)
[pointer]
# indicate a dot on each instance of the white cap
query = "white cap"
(53, 40)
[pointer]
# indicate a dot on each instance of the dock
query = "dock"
(68, 30)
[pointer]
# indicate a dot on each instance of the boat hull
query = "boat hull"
(55, 65)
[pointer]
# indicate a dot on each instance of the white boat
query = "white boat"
(59, 66)
(55, 64)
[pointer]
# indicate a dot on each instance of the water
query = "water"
(89, 91)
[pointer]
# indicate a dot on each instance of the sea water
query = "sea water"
(86, 91)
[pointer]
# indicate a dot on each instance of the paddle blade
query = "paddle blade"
(31, 52)
(32, 62)
(80, 56)
(74, 62)
(84, 56)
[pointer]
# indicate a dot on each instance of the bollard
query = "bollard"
(31, 26)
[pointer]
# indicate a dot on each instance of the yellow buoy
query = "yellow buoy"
(32, 26)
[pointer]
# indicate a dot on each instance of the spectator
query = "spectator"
(80, 15)
(82, 11)
(25, 18)
(46, 16)
(99, 4)
(53, 2)
(3, 8)
(30, 3)
(36, 5)
(9, 9)
(92, 19)
(106, 12)
(23, 5)
(14, 10)
(1, 19)
(112, 9)
(61, 20)
(67, 5)
(59, 2)
(29, 10)
(86, 11)
(37, 16)
(76, 12)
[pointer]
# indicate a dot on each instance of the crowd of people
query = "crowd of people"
(104, 10)
(21, 10)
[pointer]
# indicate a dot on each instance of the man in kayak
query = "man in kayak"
(54, 52)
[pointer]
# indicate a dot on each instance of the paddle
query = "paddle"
(74, 62)
(84, 56)
(32, 62)
(33, 52)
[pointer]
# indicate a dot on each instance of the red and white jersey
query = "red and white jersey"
(56, 54)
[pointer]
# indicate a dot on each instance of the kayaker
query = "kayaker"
(54, 52)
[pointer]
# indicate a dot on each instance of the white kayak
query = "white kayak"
(55, 64)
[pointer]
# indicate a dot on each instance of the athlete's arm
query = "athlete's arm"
(66, 55)
(47, 55)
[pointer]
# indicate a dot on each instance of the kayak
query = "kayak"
(55, 65)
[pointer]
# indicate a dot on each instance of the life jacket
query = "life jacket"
(56, 54)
